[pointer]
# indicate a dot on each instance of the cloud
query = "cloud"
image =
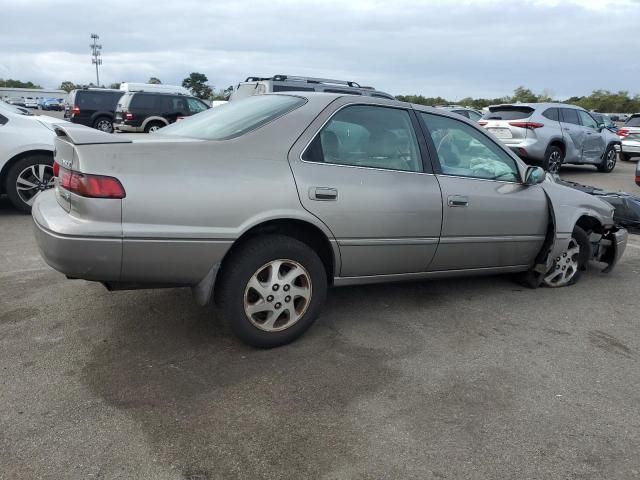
(448, 48)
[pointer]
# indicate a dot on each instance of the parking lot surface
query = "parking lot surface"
(461, 379)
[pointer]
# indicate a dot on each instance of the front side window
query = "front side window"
(587, 120)
(195, 106)
(465, 151)
(234, 118)
(367, 136)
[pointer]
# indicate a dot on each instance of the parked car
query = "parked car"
(605, 121)
(290, 83)
(93, 107)
(553, 134)
(50, 104)
(150, 108)
(26, 155)
(470, 113)
(15, 101)
(272, 198)
(630, 138)
(638, 174)
(30, 102)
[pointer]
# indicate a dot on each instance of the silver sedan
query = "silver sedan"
(263, 203)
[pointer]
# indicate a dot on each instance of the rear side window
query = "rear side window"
(367, 136)
(551, 114)
(508, 112)
(464, 113)
(96, 100)
(284, 88)
(569, 115)
(142, 101)
(634, 121)
(235, 118)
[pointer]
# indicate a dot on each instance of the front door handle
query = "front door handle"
(457, 201)
(323, 193)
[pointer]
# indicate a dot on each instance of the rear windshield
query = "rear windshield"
(509, 112)
(244, 90)
(633, 121)
(234, 118)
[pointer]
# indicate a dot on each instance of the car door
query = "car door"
(594, 143)
(574, 134)
(359, 169)
(490, 218)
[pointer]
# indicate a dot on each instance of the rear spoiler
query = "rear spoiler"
(81, 135)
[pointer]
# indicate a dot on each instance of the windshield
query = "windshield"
(17, 110)
(244, 90)
(634, 121)
(234, 118)
(508, 112)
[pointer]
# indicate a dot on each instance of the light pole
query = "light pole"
(95, 53)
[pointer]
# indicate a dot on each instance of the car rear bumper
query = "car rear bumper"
(630, 147)
(78, 254)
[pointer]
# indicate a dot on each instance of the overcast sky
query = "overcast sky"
(438, 47)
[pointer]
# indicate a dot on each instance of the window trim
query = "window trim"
(433, 153)
(426, 165)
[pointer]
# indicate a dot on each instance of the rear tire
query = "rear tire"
(153, 127)
(104, 124)
(553, 159)
(27, 178)
(608, 160)
(262, 305)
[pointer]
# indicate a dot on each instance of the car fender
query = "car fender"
(154, 118)
(21, 150)
(566, 207)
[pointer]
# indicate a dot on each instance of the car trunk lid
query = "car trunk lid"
(505, 122)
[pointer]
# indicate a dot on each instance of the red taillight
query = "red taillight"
(128, 116)
(75, 111)
(623, 132)
(528, 125)
(56, 169)
(92, 186)
(482, 123)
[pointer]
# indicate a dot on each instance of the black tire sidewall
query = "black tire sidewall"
(240, 267)
(547, 155)
(12, 176)
(585, 252)
(603, 166)
(100, 119)
(147, 128)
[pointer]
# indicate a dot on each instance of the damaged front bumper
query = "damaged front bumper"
(608, 248)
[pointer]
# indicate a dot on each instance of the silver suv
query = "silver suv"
(289, 83)
(629, 133)
(553, 134)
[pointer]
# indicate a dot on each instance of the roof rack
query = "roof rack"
(297, 78)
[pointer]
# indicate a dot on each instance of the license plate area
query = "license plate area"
(501, 132)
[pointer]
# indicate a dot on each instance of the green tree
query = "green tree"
(10, 83)
(154, 81)
(67, 86)
(524, 95)
(197, 83)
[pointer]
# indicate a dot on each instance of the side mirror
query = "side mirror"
(534, 176)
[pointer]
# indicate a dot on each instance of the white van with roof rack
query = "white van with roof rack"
(290, 83)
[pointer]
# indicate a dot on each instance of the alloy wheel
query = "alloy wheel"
(565, 266)
(555, 159)
(153, 128)
(33, 180)
(611, 159)
(277, 295)
(104, 126)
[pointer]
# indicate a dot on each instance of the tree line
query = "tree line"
(603, 101)
(196, 83)
(600, 100)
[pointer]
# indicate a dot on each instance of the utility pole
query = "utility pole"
(95, 53)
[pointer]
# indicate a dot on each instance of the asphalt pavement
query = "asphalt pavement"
(475, 378)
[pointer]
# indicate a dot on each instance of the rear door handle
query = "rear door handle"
(457, 201)
(323, 193)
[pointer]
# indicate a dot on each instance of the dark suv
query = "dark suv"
(150, 111)
(93, 107)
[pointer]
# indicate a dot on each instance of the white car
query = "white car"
(30, 102)
(26, 155)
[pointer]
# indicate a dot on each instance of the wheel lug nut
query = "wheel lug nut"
(275, 287)
(277, 305)
(564, 254)
(270, 298)
(286, 288)
(287, 298)
(558, 259)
